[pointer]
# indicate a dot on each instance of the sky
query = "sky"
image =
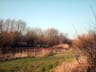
(72, 17)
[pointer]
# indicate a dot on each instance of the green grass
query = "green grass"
(44, 64)
(30, 64)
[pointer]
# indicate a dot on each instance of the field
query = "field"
(43, 64)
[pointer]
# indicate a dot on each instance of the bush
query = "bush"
(87, 43)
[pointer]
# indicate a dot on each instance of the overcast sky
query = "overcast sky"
(64, 15)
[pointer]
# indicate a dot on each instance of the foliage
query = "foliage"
(14, 33)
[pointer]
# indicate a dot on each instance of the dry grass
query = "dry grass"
(80, 65)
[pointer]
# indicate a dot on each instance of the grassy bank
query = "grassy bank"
(44, 64)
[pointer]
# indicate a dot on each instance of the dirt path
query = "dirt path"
(79, 65)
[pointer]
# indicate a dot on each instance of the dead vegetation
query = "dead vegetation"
(17, 41)
(87, 43)
(80, 65)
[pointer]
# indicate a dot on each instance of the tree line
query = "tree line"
(14, 33)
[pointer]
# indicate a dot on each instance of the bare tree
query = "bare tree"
(21, 25)
(1, 25)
